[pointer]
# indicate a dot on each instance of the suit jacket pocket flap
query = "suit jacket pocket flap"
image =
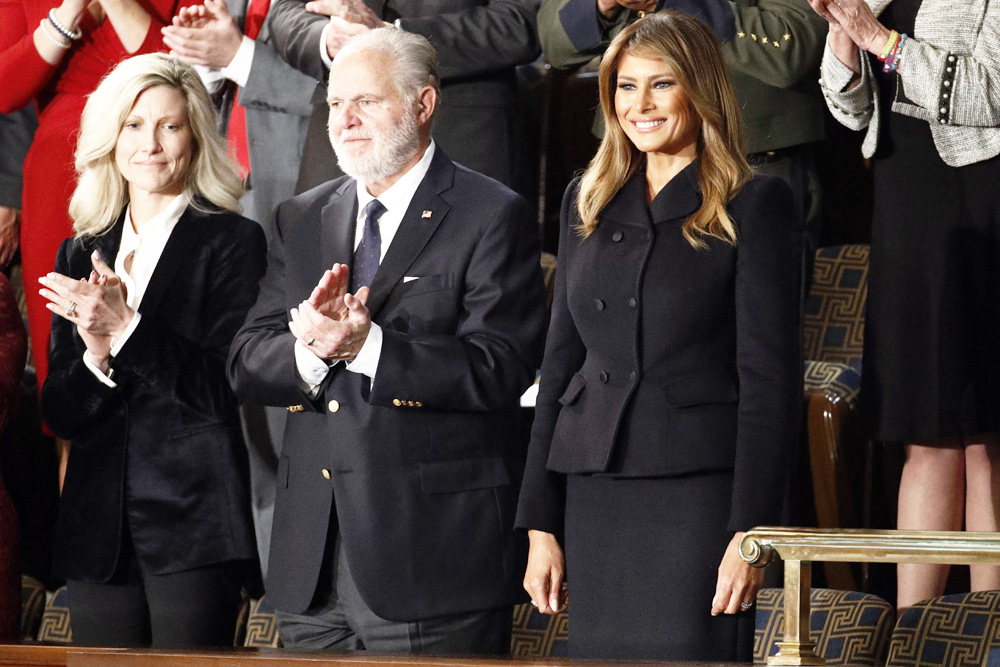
(700, 389)
(463, 475)
(573, 390)
(425, 284)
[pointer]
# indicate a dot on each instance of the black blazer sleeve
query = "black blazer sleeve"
(543, 492)
(767, 351)
(72, 397)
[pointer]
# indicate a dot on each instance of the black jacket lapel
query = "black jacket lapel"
(183, 239)
(426, 211)
(337, 229)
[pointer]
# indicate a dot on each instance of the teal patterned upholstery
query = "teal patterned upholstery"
(32, 606)
(262, 625)
(55, 621)
(951, 631)
(834, 314)
(847, 627)
(839, 380)
(538, 635)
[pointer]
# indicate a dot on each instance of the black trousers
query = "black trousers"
(340, 620)
(196, 607)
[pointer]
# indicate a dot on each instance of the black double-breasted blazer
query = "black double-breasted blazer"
(420, 467)
(663, 359)
(163, 450)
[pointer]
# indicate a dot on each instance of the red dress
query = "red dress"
(60, 92)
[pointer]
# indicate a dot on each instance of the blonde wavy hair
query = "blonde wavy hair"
(690, 48)
(211, 182)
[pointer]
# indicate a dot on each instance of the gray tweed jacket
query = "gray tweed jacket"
(949, 75)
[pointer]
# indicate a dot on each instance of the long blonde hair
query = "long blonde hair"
(211, 182)
(690, 48)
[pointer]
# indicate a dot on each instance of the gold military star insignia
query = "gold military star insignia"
(741, 34)
(786, 37)
(753, 37)
(763, 41)
(774, 43)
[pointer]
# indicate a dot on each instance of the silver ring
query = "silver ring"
(311, 341)
(534, 604)
(71, 310)
(746, 605)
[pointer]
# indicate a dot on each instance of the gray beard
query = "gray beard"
(389, 152)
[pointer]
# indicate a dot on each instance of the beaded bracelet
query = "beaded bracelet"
(61, 43)
(66, 32)
(892, 61)
(890, 45)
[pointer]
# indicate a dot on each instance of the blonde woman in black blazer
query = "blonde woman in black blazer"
(667, 408)
(154, 534)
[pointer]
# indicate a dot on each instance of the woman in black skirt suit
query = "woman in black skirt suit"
(923, 78)
(667, 408)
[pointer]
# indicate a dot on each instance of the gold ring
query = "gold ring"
(71, 310)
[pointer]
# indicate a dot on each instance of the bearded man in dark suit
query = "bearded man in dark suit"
(401, 366)
(479, 45)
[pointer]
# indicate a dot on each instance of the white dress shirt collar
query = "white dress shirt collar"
(396, 200)
(147, 245)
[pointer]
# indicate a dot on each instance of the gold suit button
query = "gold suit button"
(333, 405)
(326, 473)
(397, 402)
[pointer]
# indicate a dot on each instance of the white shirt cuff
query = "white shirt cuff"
(323, 55)
(312, 370)
(88, 362)
(238, 69)
(118, 343)
(211, 77)
(366, 362)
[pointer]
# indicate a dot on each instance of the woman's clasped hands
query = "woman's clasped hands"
(96, 304)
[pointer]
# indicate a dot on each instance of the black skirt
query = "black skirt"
(642, 558)
(931, 358)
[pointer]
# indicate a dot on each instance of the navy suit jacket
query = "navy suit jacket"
(163, 449)
(663, 359)
(422, 466)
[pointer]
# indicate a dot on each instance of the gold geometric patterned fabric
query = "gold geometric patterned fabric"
(32, 606)
(55, 621)
(538, 635)
(834, 314)
(847, 627)
(839, 380)
(951, 631)
(262, 625)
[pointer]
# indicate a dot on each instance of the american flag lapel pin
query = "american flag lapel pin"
(425, 215)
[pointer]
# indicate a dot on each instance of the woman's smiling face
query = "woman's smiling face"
(653, 109)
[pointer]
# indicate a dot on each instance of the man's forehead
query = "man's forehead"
(360, 72)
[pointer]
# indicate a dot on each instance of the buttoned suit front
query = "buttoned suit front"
(670, 372)
(419, 466)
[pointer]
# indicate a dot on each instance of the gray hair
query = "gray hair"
(101, 193)
(414, 60)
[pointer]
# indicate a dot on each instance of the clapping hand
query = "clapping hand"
(204, 35)
(333, 323)
(347, 18)
(97, 305)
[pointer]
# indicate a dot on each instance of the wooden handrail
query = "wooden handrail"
(800, 547)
